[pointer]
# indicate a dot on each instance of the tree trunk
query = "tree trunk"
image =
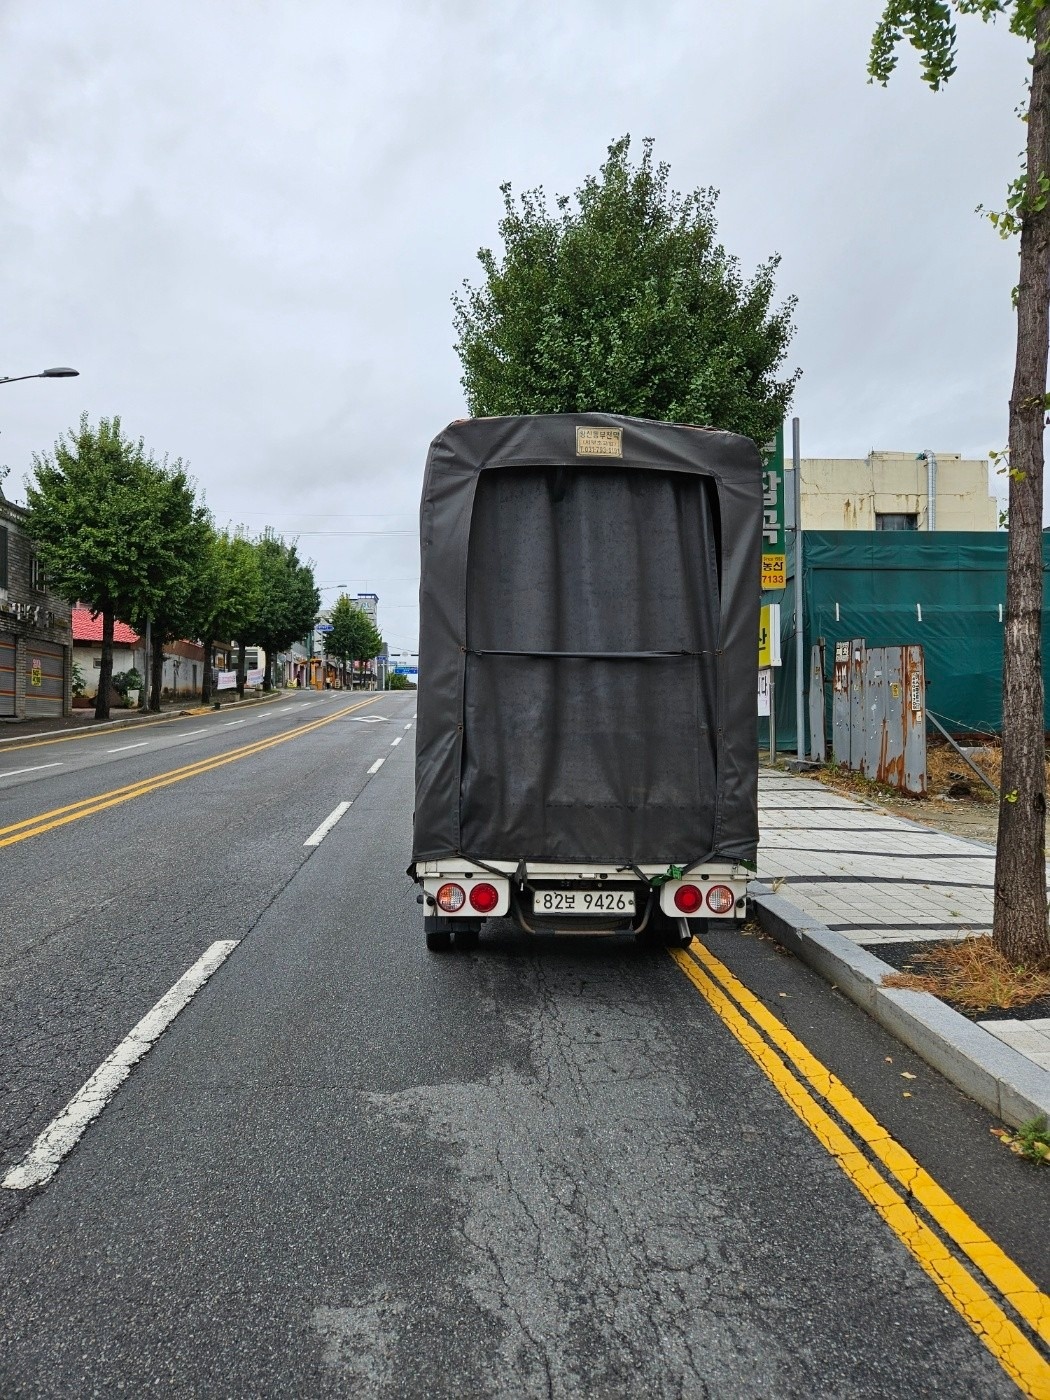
(268, 673)
(105, 673)
(157, 668)
(242, 666)
(209, 647)
(1020, 921)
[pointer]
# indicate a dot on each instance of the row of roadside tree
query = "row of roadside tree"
(125, 534)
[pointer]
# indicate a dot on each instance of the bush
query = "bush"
(123, 681)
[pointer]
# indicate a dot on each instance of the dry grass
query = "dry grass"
(974, 974)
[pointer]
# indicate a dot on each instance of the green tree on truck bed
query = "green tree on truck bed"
(625, 303)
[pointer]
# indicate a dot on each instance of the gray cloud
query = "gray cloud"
(243, 222)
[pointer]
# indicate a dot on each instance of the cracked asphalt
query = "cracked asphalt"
(353, 1168)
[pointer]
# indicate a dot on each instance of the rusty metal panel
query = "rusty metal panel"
(857, 705)
(840, 704)
(818, 740)
(876, 693)
(913, 704)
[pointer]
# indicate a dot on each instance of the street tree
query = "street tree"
(227, 597)
(185, 524)
(353, 637)
(625, 302)
(287, 603)
(99, 515)
(1020, 928)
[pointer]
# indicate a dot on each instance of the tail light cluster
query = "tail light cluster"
(450, 898)
(689, 899)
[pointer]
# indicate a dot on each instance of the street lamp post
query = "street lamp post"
(59, 372)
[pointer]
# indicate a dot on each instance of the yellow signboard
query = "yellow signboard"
(774, 571)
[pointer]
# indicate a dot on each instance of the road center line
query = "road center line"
(29, 827)
(765, 1039)
(394, 742)
(64, 1132)
(376, 766)
(125, 747)
(37, 768)
(322, 831)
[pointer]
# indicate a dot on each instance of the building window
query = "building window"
(36, 575)
(896, 522)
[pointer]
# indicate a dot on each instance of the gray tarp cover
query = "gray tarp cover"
(588, 644)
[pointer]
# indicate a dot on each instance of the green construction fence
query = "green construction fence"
(944, 590)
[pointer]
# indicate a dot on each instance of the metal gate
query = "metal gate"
(879, 708)
(45, 674)
(7, 676)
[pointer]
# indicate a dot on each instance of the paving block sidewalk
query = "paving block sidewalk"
(877, 879)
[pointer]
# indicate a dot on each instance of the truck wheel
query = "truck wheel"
(438, 935)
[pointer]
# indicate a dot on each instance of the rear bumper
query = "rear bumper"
(715, 890)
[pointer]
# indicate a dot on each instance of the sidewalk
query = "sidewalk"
(839, 878)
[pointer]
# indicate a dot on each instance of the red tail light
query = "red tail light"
(688, 899)
(484, 897)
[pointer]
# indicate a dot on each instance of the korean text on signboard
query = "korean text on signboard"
(774, 554)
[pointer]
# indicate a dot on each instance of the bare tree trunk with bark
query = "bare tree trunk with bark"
(105, 674)
(1020, 921)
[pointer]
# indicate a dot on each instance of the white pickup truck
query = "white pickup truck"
(586, 737)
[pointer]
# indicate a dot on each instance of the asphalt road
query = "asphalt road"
(350, 1167)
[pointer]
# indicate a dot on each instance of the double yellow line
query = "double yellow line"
(787, 1063)
(62, 816)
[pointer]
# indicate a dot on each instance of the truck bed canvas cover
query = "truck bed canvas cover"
(588, 642)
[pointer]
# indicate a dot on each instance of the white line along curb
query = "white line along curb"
(322, 831)
(64, 1132)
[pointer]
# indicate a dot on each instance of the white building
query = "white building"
(892, 491)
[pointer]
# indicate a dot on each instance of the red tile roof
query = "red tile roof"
(88, 628)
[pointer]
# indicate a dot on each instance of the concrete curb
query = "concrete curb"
(131, 720)
(998, 1077)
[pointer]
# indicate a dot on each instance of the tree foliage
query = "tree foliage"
(227, 598)
(113, 528)
(353, 637)
(625, 303)
(287, 600)
(1020, 929)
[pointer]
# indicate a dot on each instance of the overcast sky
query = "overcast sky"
(242, 221)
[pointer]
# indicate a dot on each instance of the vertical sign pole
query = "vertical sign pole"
(774, 556)
(800, 661)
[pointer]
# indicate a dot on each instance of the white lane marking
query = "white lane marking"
(228, 724)
(409, 725)
(376, 766)
(370, 719)
(64, 1131)
(125, 747)
(394, 742)
(322, 831)
(36, 769)
(190, 733)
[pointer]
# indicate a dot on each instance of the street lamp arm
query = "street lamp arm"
(59, 372)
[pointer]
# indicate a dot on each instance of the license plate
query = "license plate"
(583, 901)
